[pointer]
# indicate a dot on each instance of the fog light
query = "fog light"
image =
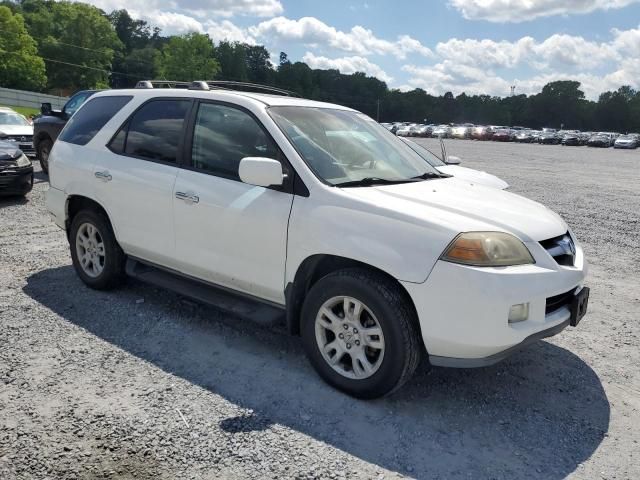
(519, 312)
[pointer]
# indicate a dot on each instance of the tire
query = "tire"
(384, 304)
(101, 272)
(44, 149)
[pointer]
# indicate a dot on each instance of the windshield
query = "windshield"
(344, 146)
(425, 154)
(12, 119)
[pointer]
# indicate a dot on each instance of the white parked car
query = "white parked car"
(404, 131)
(17, 129)
(452, 167)
(274, 206)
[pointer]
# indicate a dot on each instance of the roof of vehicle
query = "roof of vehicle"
(7, 109)
(222, 94)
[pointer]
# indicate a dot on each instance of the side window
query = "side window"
(75, 102)
(117, 143)
(155, 130)
(225, 135)
(95, 114)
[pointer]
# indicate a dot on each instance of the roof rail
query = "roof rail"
(162, 84)
(246, 86)
(218, 84)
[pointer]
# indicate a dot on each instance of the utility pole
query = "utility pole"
(378, 111)
(513, 90)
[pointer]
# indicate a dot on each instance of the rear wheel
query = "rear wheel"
(44, 149)
(96, 255)
(360, 333)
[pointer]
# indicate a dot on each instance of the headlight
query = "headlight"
(23, 161)
(487, 249)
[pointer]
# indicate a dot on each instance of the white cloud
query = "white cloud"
(491, 67)
(525, 10)
(314, 33)
(227, 30)
(557, 51)
(224, 8)
(347, 65)
(486, 53)
(175, 23)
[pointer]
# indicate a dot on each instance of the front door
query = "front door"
(227, 232)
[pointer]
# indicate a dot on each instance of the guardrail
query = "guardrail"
(22, 98)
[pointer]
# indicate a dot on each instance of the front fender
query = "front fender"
(398, 245)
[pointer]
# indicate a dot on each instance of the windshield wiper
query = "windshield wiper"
(431, 176)
(369, 181)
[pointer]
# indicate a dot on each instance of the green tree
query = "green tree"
(76, 40)
(189, 57)
(134, 34)
(139, 64)
(20, 65)
(259, 68)
(232, 60)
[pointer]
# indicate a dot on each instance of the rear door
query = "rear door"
(134, 178)
(227, 232)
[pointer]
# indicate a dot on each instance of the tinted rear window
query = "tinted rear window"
(156, 129)
(88, 121)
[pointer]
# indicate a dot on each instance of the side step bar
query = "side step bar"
(224, 299)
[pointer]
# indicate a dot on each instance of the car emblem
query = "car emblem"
(23, 139)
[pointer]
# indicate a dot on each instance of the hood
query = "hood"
(9, 151)
(26, 130)
(474, 176)
(462, 206)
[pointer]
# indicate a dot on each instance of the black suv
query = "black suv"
(46, 128)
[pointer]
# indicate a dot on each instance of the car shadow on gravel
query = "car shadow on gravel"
(539, 414)
(13, 200)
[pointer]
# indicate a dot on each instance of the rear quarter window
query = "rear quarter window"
(88, 121)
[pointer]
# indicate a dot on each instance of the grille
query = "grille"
(562, 249)
(558, 301)
(20, 138)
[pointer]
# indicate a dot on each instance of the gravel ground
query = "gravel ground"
(142, 383)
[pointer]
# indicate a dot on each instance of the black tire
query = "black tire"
(113, 270)
(44, 149)
(396, 316)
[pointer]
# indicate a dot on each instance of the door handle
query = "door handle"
(106, 176)
(187, 197)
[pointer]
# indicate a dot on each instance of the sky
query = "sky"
(471, 46)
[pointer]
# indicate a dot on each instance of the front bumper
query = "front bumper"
(463, 311)
(16, 181)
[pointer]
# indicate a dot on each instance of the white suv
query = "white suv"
(272, 206)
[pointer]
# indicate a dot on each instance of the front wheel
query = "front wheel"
(44, 149)
(360, 332)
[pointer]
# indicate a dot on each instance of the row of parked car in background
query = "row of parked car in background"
(549, 136)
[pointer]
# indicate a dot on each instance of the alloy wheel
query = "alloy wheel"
(349, 337)
(90, 250)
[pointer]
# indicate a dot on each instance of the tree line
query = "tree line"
(61, 47)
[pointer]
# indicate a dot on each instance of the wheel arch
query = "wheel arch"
(77, 203)
(312, 269)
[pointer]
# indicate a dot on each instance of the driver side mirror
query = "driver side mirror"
(45, 108)
(452, 160)
(260, 171)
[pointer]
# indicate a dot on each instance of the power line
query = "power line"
(102, 52)
(109, 72)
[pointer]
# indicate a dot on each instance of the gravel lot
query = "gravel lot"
(141, 383)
